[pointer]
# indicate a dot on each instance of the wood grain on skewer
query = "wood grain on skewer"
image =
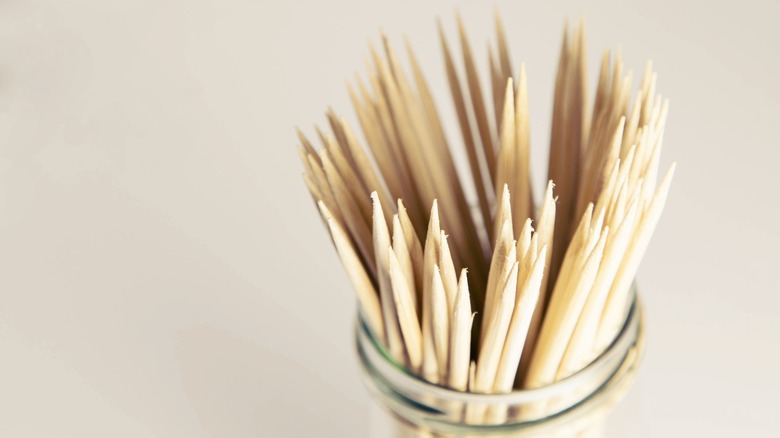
(477, 103)
(548, 349)
(525, 304)
(364, 169)
(441, 324)
(320, 180)
(503, 214)
(495, 333)
(615, 306)
(545, 229)
(376, 139)
(424, 148)
(524, 242)
(403, 256)
(460, 337)
(408, 189)
(361, 281)
(307, 144)
(449, 276)
(497, 83)
(430, 366)
(521, 190)
(346, 173)
(445, 155)
(567, 138)
(351, 212)
(381, 237)
(560, 322)
(419, 179)
(504, 256)
(478, 177)
(503, 48)
(580, 351)
(415, 253)
(407, 315)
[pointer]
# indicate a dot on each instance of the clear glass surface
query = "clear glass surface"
(574, 406)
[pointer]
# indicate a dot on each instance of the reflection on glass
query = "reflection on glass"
(577, 406)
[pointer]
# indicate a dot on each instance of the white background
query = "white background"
(163, 271)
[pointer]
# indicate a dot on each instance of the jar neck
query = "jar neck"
(574, 403)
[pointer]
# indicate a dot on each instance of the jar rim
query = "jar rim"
(374, 354)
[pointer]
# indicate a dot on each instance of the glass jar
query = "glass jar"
(576, 406)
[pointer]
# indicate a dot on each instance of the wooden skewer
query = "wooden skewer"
(523, 193)
(568, 298)
(368, 115)
(403, 256)
(393, 142)
(544, 233)
(497, 82)
(503, 258)
(503, 49)
(448, 274)
(389, 312)
(524, 245)
(350, 211)
(409, 153)
(409, 323)
(441, 324)
(460, 339)
(618, 295)
(525, 304)
(503, 214)
(352, 185)
(579, 351)
(565, 144)
(361, 282)
(364, 167)
(547, 303)
(320, 180)
(307, 145)
(495, 334)
(439, 142)
(473, 154)
(415, 253)
(478, 105)
(507, 152)
(430, 366)
(528, 287)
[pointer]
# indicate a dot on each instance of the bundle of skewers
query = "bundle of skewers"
(464, 281)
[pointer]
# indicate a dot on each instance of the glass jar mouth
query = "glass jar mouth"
(388, 378)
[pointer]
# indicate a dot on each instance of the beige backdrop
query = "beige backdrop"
(163, 271)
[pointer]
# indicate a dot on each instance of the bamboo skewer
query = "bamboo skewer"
(361, 282)
(495, 333)
(526, 301)
(430, 368)
(389, 312)
(473, 154)
(448, 274)
(415, 253)
(478, 106)
(403, 257)
(544, 233)
(536, 305)
(460, 339)
(618, 295)
(407, 316)
(441, 324)
(524, 200)
(503, 257)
